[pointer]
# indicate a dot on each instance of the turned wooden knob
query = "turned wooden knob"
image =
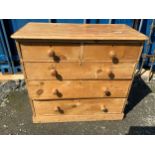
(112, 54)
(55, 92)
(59, 109)
(51, 53)
(103, 108)
(110, 73)
(53, 72)
(106, 92)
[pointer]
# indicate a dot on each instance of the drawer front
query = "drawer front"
(69, 71)
(79, 107)
(77, 89)
(114, 53)
(53, 52)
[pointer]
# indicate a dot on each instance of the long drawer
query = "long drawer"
(77, 89)
(70, 71)
(65, 52)
(79, 107)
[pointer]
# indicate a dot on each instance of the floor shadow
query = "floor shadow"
(139, 90)
(141, 130)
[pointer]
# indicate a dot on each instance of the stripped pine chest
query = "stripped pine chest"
(78, 72)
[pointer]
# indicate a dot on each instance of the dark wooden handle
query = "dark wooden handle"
(107, 92)
(103, 108)
(54, 72)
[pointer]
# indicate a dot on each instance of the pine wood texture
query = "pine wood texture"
(77, 89)
(89, 70)
(41, 52)
(78, 72)
(74, 118)
(64, 52)
(79, 107)
(112, 53)
(78, 32)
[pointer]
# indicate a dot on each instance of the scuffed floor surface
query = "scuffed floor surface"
(15, 114)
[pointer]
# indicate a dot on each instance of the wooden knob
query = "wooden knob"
(53, 72)
(55, 92)
(111, 75)
(59, 109)
(103, 108)
(51, 53)
(112, 54)
(107, 92)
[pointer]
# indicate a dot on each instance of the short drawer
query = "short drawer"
(77, 89)
(70, 71)
(79, 107)
(114, 53)
(50, 52)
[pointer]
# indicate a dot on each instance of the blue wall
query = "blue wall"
(11, 25)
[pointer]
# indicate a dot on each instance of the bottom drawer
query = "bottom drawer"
(79, 107)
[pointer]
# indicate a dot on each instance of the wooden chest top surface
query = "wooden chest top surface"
(59, 31)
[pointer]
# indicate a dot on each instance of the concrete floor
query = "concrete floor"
(15, 116)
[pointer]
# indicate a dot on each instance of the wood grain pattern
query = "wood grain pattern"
(78, 32)
(73, 118)
(79, 107)
(102, 52)
(72, 71)
(77, 89)
(63, 52)
(38, 52)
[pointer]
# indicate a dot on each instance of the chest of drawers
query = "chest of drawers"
(78, 72)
